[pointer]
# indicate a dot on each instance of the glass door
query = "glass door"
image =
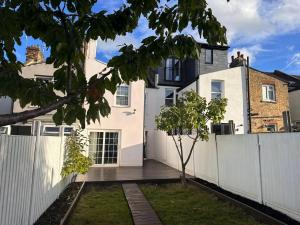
(103, 147)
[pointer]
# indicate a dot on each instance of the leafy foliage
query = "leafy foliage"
(75, 161)
(65, 26)
(190, 114)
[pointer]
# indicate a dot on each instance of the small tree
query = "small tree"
(189, 116)
(75, 161)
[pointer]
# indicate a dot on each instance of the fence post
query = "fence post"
(37, 133)
(217, 156)
(260, 188)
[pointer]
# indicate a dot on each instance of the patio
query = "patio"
(152, 170)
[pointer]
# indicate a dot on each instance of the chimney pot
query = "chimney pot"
(238, 53)
(232, 58)
(34, 55)
(242, 56)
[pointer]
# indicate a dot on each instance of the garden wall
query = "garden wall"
(30, 178)
(260, 167)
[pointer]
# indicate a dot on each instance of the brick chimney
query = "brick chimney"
(33, 55)
(238, 61)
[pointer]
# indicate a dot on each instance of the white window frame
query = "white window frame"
(128, 96)
(275, 128)
(174, 94)
(119, 147)
(266, 88)
(54, 133)
(222, 88)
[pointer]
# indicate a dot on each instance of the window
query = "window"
(122, 96)
(268, 93)
(44, 79)
(271, 128)
(4, 130)
(217, 89)
(223, 128)
(103, 147)
(54, 131)
(169, 97)
(208, 56)
(172, 69)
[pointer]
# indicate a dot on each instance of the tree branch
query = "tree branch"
(192, 148)
(176, 146)
(8, 119)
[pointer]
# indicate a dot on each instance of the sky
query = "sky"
(268, 31)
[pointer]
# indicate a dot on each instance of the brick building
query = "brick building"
(269, 102)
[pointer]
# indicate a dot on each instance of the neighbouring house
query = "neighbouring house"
(172, 74)
(230, 84)
(268, 99)
(114, 141)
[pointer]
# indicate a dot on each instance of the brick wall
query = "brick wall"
(267, 113)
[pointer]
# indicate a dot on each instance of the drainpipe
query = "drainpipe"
(248, 99)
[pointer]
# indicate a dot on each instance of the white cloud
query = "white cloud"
(250, 52)
(248, 23)
(110, 47)
(255, 20)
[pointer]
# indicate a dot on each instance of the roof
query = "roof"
(292, 80)
(217, 47)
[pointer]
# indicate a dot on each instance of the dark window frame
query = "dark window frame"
(172, 69)
(211, 57)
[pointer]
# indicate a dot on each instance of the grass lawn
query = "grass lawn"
(102, 205)
(176, 205)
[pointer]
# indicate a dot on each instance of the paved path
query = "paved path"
(141, 210)
(152, 170)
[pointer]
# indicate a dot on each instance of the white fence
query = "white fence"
(30, 178)
(264, 168)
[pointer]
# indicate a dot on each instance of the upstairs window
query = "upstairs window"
(217, 89)
(208, 56)
(268, 93)
(122, 95)
(169, 97)
(172, 69)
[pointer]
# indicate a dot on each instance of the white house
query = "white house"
(231, 84)
(118, 139)
(294, 103)
(228, 83)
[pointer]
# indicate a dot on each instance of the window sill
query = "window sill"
(268, 101)
(121, 106)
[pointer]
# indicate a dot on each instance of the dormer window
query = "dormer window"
(208, 56)
(172, 69)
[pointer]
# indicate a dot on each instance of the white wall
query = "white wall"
(5, 105)
(30, 178)
(235, 90)
(127, 120)
(155, 99)
(294, 102)
(260, 167)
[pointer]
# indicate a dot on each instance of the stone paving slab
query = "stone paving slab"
(141, 210)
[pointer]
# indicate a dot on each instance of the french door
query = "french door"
(103, 147)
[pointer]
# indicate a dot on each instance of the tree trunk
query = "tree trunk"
(183, 178)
